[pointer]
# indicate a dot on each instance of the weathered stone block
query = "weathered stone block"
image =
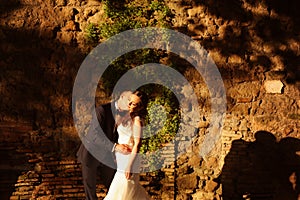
(273, 86)
(211, 186)
(187, 181)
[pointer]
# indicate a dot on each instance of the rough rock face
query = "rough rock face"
(255, 45)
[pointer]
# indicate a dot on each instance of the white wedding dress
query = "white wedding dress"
(122, 188)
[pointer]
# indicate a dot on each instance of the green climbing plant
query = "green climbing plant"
(162, 123)
(163, 118)
(124, 15)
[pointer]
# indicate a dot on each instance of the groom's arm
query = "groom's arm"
(96, 136)
(104, 119)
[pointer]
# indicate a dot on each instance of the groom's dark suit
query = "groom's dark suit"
(94, 141)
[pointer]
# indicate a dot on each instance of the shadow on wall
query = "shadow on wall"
(37, 74)
(263, 169)
(36, 80)
(263, 34)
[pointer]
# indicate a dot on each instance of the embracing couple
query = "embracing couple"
(121, 121)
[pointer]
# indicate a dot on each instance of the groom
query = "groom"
(93, 140)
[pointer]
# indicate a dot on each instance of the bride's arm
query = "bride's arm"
(137, 132)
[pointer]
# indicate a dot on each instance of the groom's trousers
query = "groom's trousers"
(91, 168)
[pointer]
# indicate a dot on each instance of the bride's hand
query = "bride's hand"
(128, 174)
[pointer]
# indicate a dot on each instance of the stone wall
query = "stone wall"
(256, 48)
(255, 45)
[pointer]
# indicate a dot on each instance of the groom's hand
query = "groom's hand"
(123, 148)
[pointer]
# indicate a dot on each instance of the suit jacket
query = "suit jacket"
(95, 142)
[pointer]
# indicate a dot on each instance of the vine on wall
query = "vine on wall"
(121, 16)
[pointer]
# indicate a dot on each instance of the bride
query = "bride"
(125, 184)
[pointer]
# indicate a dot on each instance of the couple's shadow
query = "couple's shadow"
(263, 169)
